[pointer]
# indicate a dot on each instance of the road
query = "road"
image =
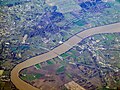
(21, 85)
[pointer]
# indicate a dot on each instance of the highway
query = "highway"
(21, 85)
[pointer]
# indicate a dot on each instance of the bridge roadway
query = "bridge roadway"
(21, 85)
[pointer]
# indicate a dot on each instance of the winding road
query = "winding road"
(21, 85)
